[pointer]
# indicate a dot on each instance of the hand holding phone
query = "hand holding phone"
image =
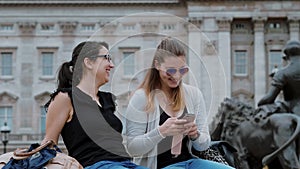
(189, 117)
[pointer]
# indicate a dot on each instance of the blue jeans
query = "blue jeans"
(115, 165)
(198, 163)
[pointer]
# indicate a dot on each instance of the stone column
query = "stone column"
(224, 50)
(197, 60)
(294, 27)
(68, 30)
(260, 65)
(26, 52)
(194, 51)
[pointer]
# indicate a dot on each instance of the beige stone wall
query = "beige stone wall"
(207, 27)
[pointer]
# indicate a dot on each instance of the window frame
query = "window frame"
(132, 50)
(132, 62)
(88, 25)
(11, 50)
(169, 27)
(129, 27)
(6, 67)
(40, 111)
(42, 50)
(276, 26)
(241, 27)
(47, 67)
(42, 120)
(245, 64)
(6, 25)
(9, 118)
(50, 25)
(271, 63)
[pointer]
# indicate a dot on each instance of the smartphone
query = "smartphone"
(189, 117)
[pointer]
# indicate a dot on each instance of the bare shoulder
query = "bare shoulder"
(62, 96)
(61, 101)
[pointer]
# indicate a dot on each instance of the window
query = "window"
(6, 63)
(277, 26)
(88, 27)
(130, 27)
(275, 57)
(47, 27)
(129, 63)
(7, 27)
(47, 63)
(169, 27)
(240, 63)
(274, 25)
(43, 119)
(240, 26)
(6, 115)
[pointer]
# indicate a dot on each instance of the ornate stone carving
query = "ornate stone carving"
(68, 27)
(108, 27)
(294, 23)
(209, 47)
(259, 23)
(42, 97)
(149, 26)
(102, 23)
(224, 23)
(7, 97)
(195, 22)
(27, 27)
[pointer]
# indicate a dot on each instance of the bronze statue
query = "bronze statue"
(271, 131)
(256, 133)
(287, 79)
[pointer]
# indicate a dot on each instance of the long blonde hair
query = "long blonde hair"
(168, 47)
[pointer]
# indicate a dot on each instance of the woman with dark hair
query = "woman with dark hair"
(166, 118)
(84, 116)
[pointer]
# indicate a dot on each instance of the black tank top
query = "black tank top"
(93, 134)
(165, 157)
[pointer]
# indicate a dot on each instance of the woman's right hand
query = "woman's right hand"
(172, 126)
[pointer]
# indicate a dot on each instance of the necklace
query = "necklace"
(168, 102)
(171, 104)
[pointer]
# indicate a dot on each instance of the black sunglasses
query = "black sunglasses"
(173, 71)
(107, 57)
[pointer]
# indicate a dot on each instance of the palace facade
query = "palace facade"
(232, 48)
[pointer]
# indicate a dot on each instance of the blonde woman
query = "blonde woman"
(156, 111)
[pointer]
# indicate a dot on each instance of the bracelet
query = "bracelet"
(193, 139)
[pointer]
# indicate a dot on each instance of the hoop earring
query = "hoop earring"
(71, 68)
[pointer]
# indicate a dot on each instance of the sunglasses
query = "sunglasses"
(107, 57)
(173, 71)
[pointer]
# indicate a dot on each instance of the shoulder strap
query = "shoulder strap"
(25, 153)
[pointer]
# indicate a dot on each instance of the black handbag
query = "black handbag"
(219, 151)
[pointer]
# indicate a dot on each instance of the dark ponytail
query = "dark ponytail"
(67, 69)
(65, 75)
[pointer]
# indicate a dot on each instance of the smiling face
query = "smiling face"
(171, 71)
(105, 65)
(102, 66)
